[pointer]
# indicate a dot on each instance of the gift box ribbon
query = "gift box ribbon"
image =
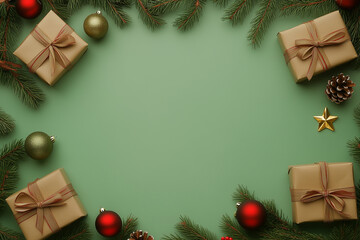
(52, 49)
(313, 48)
(333, 198)
(28, 205)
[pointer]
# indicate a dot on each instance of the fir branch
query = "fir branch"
(238, 10)
(242, 194)
(8, 234)
(165, 6)
(191, 231)
(24, 86)
(7, 124)
(356, 115)
(307, 7)
(18, 79)
(354, 147)
(191, 15)
(58, 6)
(346, 231)
(78, 230)
(173, 237)
(149, 18)
(9, 156)
(262, 21)
(221, 3)
(129, 226)
(231, 228)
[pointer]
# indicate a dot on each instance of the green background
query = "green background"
(162, 124)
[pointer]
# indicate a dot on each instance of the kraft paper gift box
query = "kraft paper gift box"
(51, 48)
(316, 187)
(60, 205)
(316, 46)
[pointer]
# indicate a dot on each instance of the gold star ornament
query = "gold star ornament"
(326, 120)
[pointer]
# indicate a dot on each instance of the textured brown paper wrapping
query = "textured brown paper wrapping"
(308, 177)
(64, 215)
(51, 24)
(337, 54)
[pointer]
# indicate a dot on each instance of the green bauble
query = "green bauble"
(96, 25)
(39, 145)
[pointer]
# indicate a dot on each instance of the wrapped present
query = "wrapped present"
(51, 48)
(46, 205)
(316, 46)
(322, 192)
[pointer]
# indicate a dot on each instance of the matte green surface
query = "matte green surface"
(161, 124)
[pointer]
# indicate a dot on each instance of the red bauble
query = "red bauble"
(108, 223)
(28, 8)
(347, 4)
(251, 214)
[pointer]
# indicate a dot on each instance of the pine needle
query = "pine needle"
(191, 231)
(7, 124)
(221, 3)
(165, 6)
(173, 237)
(130, 225)
(149, 18)
(8, 234)
(238, 10)
(78, 230)
(231, 227)
(191, 15)
(10, 154)
(264, 17)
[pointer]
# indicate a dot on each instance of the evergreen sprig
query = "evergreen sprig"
(8, 234)
(221, 3)
(10, 154)
(15, 77)
(188, 230)
(7, 124)
(130, 225)
(264, 17)
(150, 18)
(165, 6)
(191, 15)
(78, 230)
(238, 10)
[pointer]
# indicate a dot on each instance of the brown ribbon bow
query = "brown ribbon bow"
(313, 47)
(52, 49)
(333, 198)
(28, 205)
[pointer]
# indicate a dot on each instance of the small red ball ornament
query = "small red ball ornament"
(108, 223)
(226, 238)
(28, 8)
(347, 4)
(250, 214)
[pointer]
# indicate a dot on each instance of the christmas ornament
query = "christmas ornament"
(326, 120)
(140, 235)
(339, 88)
(347, 4)
(108, 223)
(39, 145)
(28, 8)
(96, 25)
(226, 238)
(250, 214)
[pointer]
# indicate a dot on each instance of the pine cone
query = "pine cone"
(339, 88)
(139, 235)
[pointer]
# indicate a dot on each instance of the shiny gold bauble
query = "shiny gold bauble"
(39, 145)
(96, 25)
